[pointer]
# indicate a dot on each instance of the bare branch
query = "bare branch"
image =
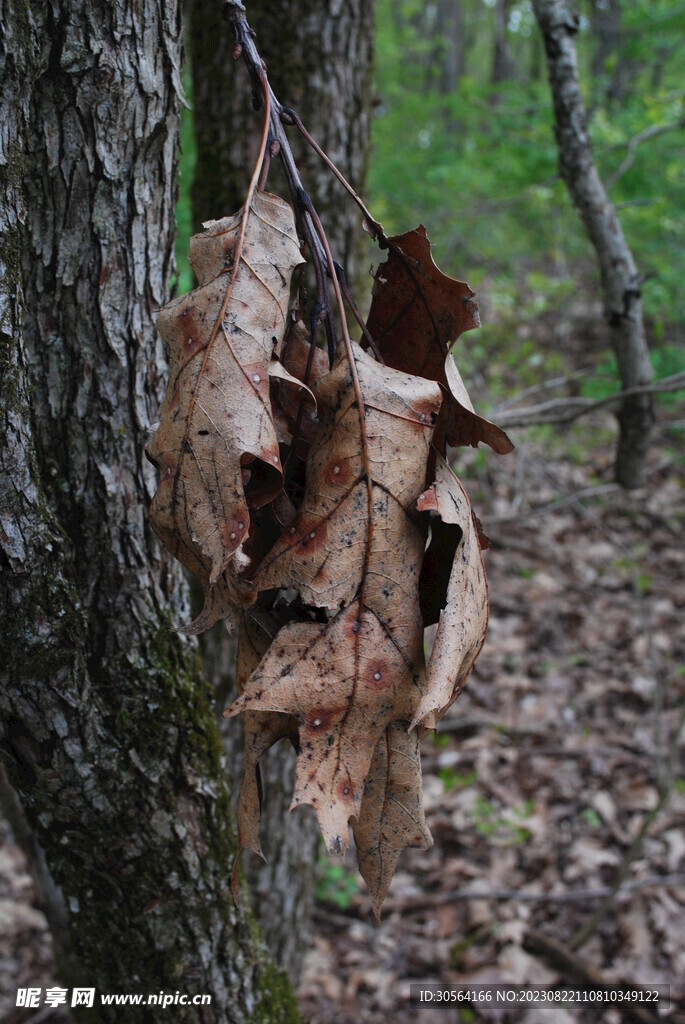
(566, 410)
(644, 136)
(427, 900)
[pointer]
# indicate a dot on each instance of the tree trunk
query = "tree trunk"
(606, 26)
(283, 887)
(502, 65)
(605, 19)
(107, 730)
(318, 58)
(450, 26)
(619, 275)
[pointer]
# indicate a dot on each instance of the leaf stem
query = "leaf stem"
(289, 116)
(357, 315)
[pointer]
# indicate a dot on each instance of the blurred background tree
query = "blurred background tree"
(462, 141)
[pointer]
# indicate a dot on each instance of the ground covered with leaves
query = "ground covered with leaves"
(542, 781)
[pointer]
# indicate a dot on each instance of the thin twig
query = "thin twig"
(552, 506)
(429, 900)
(566, 410)
(357, 315)
(468, 724)
(235, 13)
(649, 133)
(545, 385)
(376, 228)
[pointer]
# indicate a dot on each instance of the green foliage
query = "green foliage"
(591, 816)
(452, 779)
(335, 884)
(476, 162)
(507, 828)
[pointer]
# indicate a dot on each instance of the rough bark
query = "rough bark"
(319, 62)
(619, 275)
(107, 731)
(319, 59)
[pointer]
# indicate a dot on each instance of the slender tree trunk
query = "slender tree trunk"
(619, 275)
(318, 58)
(107, 732)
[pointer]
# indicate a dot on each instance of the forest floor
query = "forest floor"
(555, 775)
(558, 772)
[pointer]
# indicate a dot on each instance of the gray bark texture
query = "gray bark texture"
(319, 61)
(619, 275)
(107, 731)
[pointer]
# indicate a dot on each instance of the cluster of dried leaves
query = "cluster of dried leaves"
(314, 503)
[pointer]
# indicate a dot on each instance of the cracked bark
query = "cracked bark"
(619, 275)
(107, 731)
(319, 59)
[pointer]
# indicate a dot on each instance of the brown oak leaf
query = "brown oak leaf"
(216, 448)
(298, 356)
(355, 551)
(391, 816)
(417, 313)
(463, 620)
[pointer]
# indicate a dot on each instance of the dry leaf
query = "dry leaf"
(332, 552)
(294, 411)
(261, 730)
(290, 400)
(391, 816)
(216, 448)
(464, 619)
(355, 551)
(416, 314)
(297, 354)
